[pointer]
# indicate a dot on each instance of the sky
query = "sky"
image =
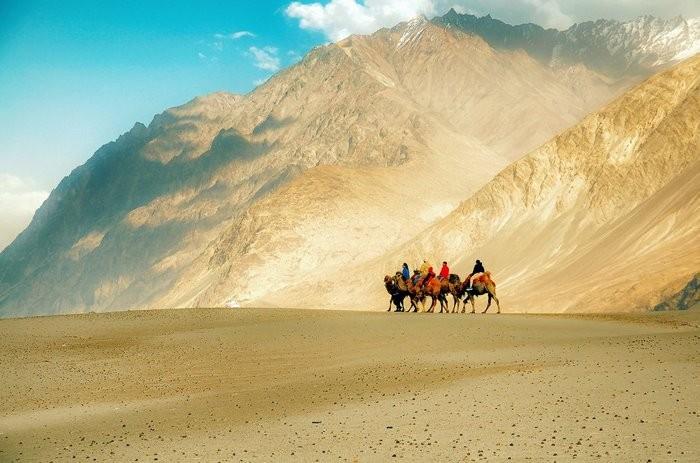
(75, 75)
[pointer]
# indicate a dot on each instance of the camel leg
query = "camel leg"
(488, 304)
(498, 304)
(433, 302)
(471, 299)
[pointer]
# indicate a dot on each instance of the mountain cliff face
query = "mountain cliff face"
(604, 217)
(358, 147)
(611, 47)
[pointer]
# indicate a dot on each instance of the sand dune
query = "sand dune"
(285, 385)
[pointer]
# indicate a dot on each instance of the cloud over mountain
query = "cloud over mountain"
(265, 58)
(18, 201)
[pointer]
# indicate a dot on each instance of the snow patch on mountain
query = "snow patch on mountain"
(414, 29)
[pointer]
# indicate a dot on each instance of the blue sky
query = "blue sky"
(76, 74)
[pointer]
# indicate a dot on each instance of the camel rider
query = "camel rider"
(444, 271)
(416, 276)
(424, 268)
(478, 268)
(429, 276)
(405, 272)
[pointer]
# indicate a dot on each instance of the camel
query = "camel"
(452, 285)
(482, 284)
(395, 296)
(432, 289)
(415, 293)
(404, 290)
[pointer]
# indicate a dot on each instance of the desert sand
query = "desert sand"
(295, 385)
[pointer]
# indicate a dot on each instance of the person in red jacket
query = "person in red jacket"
(444, 271)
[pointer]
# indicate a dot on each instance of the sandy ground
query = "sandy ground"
(284, 385)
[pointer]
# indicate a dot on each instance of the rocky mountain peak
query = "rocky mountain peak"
(615, 48)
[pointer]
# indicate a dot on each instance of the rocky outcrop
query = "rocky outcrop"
(687, 298)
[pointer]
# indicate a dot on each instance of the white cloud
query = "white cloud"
(265, 58)
(218, 44)
(203, 57)
(235, 35)
(239, 34)
(547, 13)
(18, 202)
(257, 82)
(339, 18)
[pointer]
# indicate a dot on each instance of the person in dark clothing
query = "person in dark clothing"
(478, 268)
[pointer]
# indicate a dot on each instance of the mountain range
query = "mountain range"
(409, 143)
(612, 47)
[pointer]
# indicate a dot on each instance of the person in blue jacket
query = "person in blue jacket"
(405, 272)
